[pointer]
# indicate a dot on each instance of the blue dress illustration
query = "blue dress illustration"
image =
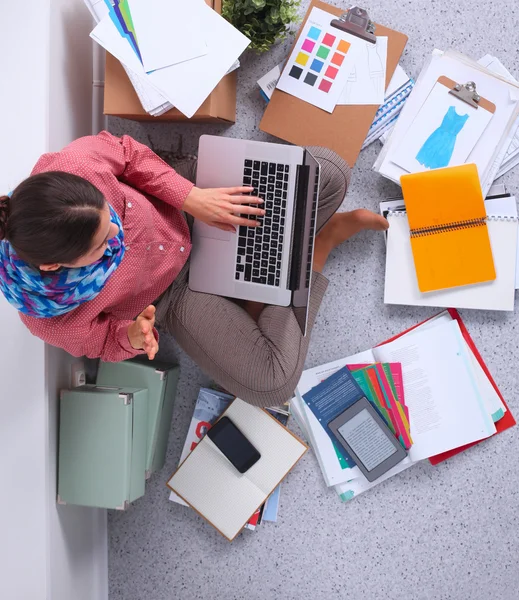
(439, 146)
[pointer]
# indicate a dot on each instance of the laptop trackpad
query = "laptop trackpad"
(212, 233)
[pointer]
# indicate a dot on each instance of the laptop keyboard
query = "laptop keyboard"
(260, 249)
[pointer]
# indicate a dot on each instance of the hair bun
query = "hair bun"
(4, 215)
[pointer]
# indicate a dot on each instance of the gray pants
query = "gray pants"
(261, 362)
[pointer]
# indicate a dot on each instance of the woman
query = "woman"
(98, 235)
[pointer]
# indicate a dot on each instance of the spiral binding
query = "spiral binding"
(457, 225)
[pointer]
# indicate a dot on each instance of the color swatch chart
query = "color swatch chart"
(321, 62)
(321, 65)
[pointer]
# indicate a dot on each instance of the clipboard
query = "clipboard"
(345, 130)
(445, 129)
(467, 93)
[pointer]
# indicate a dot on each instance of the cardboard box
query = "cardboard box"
(120, 99)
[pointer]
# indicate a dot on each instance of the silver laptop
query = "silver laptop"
(271, 263)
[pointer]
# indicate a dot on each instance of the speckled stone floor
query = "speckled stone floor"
(449, 532)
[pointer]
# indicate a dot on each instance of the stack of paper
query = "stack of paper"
(207, 480)
(209, 407)
(449, 397)
(383, 386)
(175, 53)
(329, 66)
(395, 96)
(502, 219)
(511, 158)
(438, 129)
(397, 93)
(401, 283)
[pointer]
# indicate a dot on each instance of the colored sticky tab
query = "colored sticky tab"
(308, 45)
(314, 33)
(338, 59)
(328, 39)
(295, 72)
(317, 65)
(343, 46)
(392, 402)
(302, 59)
(331, 72)
(365, 385)
(325, 85)
(323, 52)
(372, 374)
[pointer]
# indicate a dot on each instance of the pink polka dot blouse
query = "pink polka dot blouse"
(148, 196)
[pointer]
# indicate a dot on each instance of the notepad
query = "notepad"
(401, 285)
(209, 483)
(448, 229)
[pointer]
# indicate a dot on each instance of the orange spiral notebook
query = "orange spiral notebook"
(448, 228)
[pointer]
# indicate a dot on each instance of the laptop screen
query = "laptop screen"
(306, 229)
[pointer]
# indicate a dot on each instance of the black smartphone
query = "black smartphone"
(233, 444)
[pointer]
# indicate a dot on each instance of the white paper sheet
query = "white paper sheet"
(268, 82)
(320, 441)
(367, 81)
(494, 141)
(443, 133)
(491, 399)
(152, 101)
(446, 409)
(168, 32)
(185, 85)
(401, 286)
(511, 158)
(355, 487)
(97, 8)
(320, 63)
(505, 207)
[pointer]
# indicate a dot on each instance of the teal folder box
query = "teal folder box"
(160, 380)
(102, 446)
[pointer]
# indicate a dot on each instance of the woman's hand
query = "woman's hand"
(140, 332)
(218, 207)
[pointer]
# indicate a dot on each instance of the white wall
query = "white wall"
(46, 551)
(77, 544)
(23, 414)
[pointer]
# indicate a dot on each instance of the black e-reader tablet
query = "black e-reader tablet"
(367, 439)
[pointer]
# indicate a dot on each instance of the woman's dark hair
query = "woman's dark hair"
(51, 218)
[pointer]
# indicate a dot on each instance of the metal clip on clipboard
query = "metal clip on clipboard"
(356, 21)
(467, 93)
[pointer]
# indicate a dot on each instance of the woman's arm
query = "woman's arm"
(103, 158)
(104, 337)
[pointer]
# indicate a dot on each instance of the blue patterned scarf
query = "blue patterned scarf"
(44, 295)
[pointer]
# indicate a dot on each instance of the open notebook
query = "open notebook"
(448, 230)
(401, 286)
(449, 395)
(210, 484)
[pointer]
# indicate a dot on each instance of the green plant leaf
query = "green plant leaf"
(264, 22)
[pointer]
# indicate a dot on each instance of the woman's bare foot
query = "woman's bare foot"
(340, 228)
